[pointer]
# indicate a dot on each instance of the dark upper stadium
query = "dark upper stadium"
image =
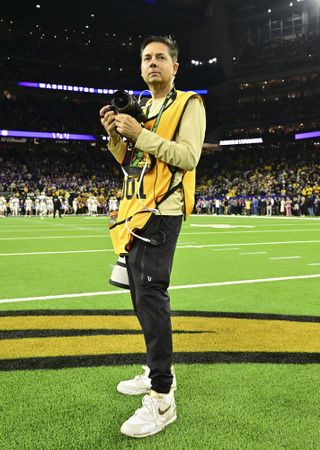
(259, 61)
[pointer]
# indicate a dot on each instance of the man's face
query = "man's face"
(157, 66)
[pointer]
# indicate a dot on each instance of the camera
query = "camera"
(124, 103)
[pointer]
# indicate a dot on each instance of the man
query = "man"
(89, 205)
(57, 206)
(248, 206)
(50, 205)
(113, 204)
(28, 207)
(43, 205)
(217, 204)
(270, 203)
(94, 205)
(37, 206)
(159, 161)
(65, 205)
(3, 207)
(75, 205)
(15, 206)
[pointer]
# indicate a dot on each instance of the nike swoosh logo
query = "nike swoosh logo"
(164, 411)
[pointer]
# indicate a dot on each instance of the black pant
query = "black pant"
(149, 268)
(55, 211)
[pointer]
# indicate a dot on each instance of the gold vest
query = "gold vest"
(156, 182)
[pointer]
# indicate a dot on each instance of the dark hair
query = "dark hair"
(166, 40)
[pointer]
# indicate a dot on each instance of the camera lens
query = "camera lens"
(122, 102)
(121, 99)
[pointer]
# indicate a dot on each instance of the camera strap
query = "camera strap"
(170, 96)
(133, 157)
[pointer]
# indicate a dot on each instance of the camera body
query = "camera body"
(124, 103)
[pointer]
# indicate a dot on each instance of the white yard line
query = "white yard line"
(104, 217)
(199, 216)
(184, 286)
(106, 235)
(20, 227)
(314, 264)
(251, 244)
(224, 249)
(295, 230)
(253, 253)
(24, 238)
(56, 253)
(182, 246)
(218, 225)
(286, 257)
(222, 217)
(56, 229)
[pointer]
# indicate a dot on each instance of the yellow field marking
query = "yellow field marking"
(216, 335)
(64, 322)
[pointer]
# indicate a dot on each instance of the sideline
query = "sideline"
(106, 236)
(249, 244)
(56, 253)
(25, 238)
(237, 216)
(286, 257)
(292, 230)
(181, 246)
(172, 288)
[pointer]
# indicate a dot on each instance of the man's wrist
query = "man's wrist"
(140, 138)
(138, 134)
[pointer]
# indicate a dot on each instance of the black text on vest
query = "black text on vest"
(130, 188)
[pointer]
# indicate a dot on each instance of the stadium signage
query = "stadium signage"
(241, 141)
(15, 140)
(47, 135)
(308, 135)
(87, 90)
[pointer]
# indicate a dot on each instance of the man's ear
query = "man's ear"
(175, 68)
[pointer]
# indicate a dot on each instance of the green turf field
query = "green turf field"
(246, 318)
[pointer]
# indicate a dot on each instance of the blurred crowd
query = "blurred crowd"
(58, 114)
(73, 173)
(285, 177)
(43, 57)
(280, 109)
(274, 179)
(279, 54)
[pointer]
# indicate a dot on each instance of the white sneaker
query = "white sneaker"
(158, 411)
(141, 384)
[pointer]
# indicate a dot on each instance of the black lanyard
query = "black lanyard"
(170, 96)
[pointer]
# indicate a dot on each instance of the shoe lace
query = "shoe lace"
(140, 377)
(149, 410)
(143, 376)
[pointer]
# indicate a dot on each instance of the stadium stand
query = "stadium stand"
(276, 105)
(232, 176)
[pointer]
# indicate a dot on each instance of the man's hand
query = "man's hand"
(107, 118)
(128, 126)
